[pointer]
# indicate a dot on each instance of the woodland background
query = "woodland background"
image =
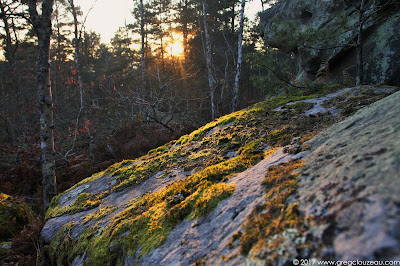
(119, 100)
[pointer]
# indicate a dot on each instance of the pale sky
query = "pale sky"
(107, 16)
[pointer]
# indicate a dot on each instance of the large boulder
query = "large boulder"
(317, 31)
(212, 198)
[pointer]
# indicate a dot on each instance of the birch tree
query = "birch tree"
(42, 27)
(82, 110)
(208, 54)
(143, 35)
(235, 99)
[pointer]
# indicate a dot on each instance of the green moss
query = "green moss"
(146, 223)
(100, 213)
(266, 225)
(55, 201)
(195, 156)
(14, 215)
(281, 136)
(300, 107)
(284, 99)
(209, 198)
(201, 132)
(151, 217)
(64, 248)
(148, 219)
(83, 202)
(160, 149)
(227, 119)
(202, 158)
(117, 166)
(136, 174)
(252, 148)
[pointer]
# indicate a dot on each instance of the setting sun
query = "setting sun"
(175, 45)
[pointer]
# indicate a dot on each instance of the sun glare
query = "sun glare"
(175, 45)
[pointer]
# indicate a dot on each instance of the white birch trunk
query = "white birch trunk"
(142, 59)
(42, 26)
(80, 83)
(211, 80)
(235, 99)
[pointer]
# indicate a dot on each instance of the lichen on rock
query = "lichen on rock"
(186, 202)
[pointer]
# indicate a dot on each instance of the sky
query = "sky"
(106, 19)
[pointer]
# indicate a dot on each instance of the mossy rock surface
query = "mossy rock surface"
(188, 200)
(14, 215)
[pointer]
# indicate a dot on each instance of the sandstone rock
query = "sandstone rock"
(351, 184)
(350, 187)
(318, 30)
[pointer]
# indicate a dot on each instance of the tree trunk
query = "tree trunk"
(9, 54)
(9, 49)
(80, 82)
(359, 50)
(211, 80)
(42, 27)
(233, 19)
(235, 100)
(184, 29)
(142, 59)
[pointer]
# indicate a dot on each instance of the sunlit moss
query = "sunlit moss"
(84, 201)
(100, 213)
(55, 201)
(146, 222)
(264, 227)
(201, 132)
(281, 100)
(281, 136)
(209, 198)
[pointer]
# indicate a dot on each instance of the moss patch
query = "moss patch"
(83, 202)
(100, 213)
(301, 107)
(206, 152)
(146, 223)
(14, 215)
(277, 222)
(200, 149)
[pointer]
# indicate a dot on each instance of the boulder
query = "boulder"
(217, 195)
(321, 35)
